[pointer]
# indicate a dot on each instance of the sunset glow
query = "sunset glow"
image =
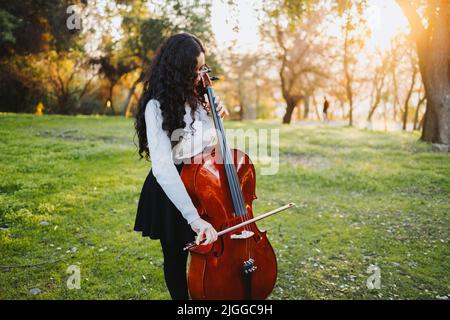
(384, 18)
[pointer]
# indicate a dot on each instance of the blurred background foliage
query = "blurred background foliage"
(381, 63)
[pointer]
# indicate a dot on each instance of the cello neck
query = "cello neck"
(228, 161)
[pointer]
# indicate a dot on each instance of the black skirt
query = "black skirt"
(157, 217)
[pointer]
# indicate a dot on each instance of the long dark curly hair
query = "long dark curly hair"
(170, 80)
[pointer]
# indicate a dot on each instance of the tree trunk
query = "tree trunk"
(110, 98)
(348, 77)
(350, 115)
(436, 127)
(408, 97)
(289, 110)
(396, 99)
(127, 104)
(436, 120)
(421, 122)
(63, 103)
(316, 108)
(370, 115)
(416, 115)
(241, 109)
(306, 107)
(433, 51)
(240, 97)
(376, 102)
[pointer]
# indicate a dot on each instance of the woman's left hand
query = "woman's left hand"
(220, 108)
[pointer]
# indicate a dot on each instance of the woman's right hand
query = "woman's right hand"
(204, 230)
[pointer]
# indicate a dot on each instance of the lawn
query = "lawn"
(69, 189)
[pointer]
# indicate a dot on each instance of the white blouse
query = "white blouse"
(193, 141)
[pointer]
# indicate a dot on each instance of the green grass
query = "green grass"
(363, 198)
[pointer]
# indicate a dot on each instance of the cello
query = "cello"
(241, 263)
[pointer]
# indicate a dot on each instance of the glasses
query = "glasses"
(204, 69)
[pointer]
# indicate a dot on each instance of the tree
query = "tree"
(67, 78)
(144, 30)
(378, 84)
(30, 31)
(296, 30)
(240, 79)
(396, 51)
(354, 29)
(430, 27)
(409, 93)
(113, 65)
(421, 99)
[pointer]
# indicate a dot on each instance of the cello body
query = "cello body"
(241, 264)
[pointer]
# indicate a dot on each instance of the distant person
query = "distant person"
(326, 106)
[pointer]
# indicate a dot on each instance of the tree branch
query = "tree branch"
(413, 17)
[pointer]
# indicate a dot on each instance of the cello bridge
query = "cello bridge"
(245, 234)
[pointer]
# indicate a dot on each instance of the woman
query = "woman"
(170, 125)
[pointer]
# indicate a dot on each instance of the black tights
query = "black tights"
(175, 269)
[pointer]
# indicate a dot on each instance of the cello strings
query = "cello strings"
(245, 214)
(232, 177)
(236, 186)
